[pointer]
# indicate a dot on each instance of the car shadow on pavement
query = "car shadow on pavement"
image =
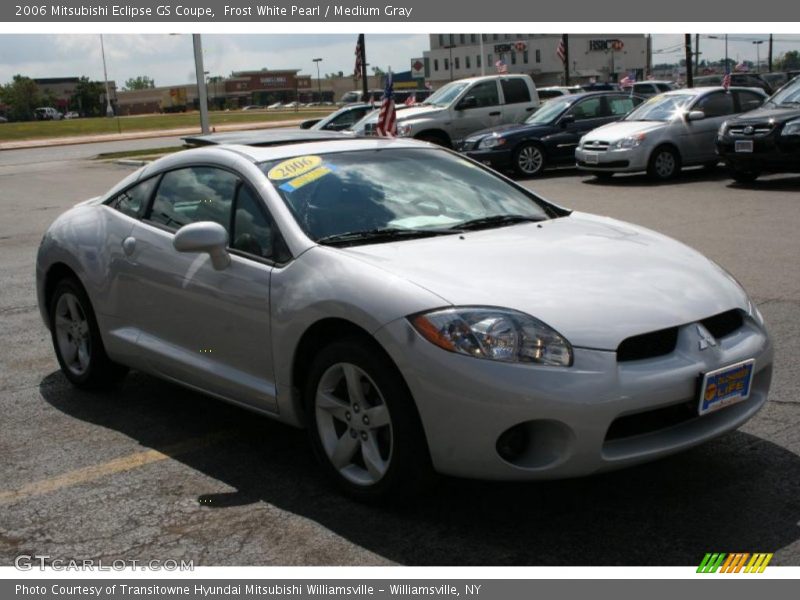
(688, 175)
(737, 493)
(772, 184)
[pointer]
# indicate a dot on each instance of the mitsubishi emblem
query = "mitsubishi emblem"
(706, 339)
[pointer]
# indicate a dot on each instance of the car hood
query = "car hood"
(595, 280)
(622, 129)
(765, 113)
(511, 129)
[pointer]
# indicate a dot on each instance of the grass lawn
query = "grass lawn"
(99, 125)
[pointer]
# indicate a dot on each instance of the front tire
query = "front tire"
(76, 339)
(665, 164)
(363, 425)
(529, 160)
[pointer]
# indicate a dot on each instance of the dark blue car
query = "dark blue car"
(548, 137)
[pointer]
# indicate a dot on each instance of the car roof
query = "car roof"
(345, 144)
(696, 91)
(262, 137)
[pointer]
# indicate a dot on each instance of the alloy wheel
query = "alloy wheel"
(530, 160)
(72, 334)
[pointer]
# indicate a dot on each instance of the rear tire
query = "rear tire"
(76, 339)
(744, 176)
(363, 425)
(664, 164)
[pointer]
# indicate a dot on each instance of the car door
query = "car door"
(583, 116)
(482, 112)
(701, 134)
(517, 102)
(203, 327)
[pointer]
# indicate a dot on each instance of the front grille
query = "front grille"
(652, 420)
(751, 130)
(596, 146)
(648, 345)
(663, 341)
(724, 323)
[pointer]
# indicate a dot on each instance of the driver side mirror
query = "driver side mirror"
(204, 236)
(467, 102)
(695, 115)
(566, 120)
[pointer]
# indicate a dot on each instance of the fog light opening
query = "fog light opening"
(513, 443)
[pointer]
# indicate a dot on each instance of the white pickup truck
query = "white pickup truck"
(462, 107)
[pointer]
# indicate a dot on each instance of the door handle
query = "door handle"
(530, 109)
(494, 114)
(129, 245)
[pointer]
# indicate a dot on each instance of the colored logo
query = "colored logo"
(737, 562)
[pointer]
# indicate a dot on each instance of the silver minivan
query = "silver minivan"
(665, 133)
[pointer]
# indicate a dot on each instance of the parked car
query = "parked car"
(556, 91)
(72, 115)
(652, 88)
(47, 113)
(253, 107)
(292, 105)
(548, 137)
(673, 130)
(764, 140)
(3, 119)
(362, 289)
(462, 107)
(754, 80)
(275, 106)
(339, 120)
(777, 80)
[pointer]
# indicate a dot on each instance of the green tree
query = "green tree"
(141, 82)
(22, 96)
(87, 98)
(788, 61)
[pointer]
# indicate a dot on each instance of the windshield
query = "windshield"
(447, 94)
(402, 189)
(661, 108)
(788, 94)
(351, 97)
(549, 111)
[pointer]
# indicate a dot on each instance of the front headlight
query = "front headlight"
(627, 143)
(498, 334)
(722, 129)
(491, 141)
(791, 128)
(403, 130)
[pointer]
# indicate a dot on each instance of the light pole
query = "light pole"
(319, 82)
(109, 110)
(202, 96)
(758, 55)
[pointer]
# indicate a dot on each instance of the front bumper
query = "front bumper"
(615, 161)
(467, 404)
(500, 159)
(773, 153)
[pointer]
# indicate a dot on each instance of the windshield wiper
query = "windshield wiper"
(494, 221)
(380, 234)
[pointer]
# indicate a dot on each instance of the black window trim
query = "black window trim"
(242, 181)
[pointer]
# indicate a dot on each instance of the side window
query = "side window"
(749, 100)
(663, 87)
(133, 201)
(253, 232)
(194, 194)
(717, 104)
(485, 93)
(621, 105)
(515, 91)
(346, 119)
(591, 108)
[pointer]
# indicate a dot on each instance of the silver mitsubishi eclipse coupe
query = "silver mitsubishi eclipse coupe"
(414, 310)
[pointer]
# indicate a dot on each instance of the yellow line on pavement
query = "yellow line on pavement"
(118, 465)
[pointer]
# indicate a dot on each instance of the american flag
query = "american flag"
(561, 51)
(411, 100)
(387, 124)
(726, 80)
(628, 80)
(501, 66)
(359, 46)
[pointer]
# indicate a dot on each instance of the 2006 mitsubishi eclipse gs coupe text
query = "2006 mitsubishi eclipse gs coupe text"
(416, 311)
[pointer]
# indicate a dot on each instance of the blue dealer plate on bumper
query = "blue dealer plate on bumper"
(726, 386)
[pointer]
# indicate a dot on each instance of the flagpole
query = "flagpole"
(364, 82)
(565, 39)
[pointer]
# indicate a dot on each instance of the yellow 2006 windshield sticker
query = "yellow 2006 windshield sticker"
(304, 179)
(294, 167)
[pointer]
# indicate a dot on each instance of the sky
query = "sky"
(169, 59)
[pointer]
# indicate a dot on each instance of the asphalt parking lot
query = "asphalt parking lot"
(154, 471)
